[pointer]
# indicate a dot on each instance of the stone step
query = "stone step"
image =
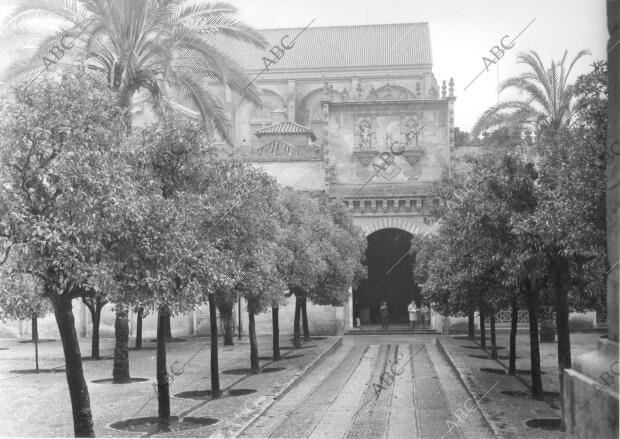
(391, 331)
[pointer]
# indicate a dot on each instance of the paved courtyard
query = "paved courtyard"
(372, 387)
(362, 386)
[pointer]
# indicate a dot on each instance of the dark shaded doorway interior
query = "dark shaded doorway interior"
(387, 279)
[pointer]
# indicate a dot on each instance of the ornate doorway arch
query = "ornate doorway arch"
(390, 276)
(407, 225)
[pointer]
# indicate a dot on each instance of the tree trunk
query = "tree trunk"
(254, 366)
(483, 334)
(163, 386)
(471, 329)
(35, 340)
(275, 323)
(304, 318)
(296, 331)
(226, 313)
(512, 361)
(94, 305)
(78, 390)
(215, 373)
(493, 339)
(560, 284)
(168, 327)
(547, 325)
(239, 316)
(120, 371)
(94, 341)
(532, 305)
(34, 328)
(139, 328)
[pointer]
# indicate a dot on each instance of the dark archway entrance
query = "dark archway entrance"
(386, 281)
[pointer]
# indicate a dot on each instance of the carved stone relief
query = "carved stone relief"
(365, 136)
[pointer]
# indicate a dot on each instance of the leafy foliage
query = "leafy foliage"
(64, 180)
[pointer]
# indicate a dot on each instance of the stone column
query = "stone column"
(591, 386)
(428, 83)
(340, 316)
(290, 104)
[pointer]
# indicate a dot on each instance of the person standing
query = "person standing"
(413, 314)
(384, 315)
(424, 312)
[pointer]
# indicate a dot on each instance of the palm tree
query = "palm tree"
(547, 106)
(171, 49)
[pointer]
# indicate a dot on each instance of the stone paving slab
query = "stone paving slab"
(238, 413)
(285, 406)
(38, 405)
(401, 422)
(374, 395)
(337, 419)
(303, 419)
(506, 414)
(464, 418)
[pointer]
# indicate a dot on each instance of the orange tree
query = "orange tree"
(254, 228)
(170, 261)
(21, 298)
(343, 252)
(64, 183)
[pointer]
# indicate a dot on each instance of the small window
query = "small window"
(436, 202)
(401, 204)
(356, 204)
(367, 205)
(390, 204)
(414, 204)
(379, 204)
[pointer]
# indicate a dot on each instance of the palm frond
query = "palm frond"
(69, 10)
(577, 57)
(529, 86)
(209, 107)
(493, 117)
(23, 67)
(534, 62)
(161, 102)
(229, 71)
(192, 9)
(227, 27)
(144, 43)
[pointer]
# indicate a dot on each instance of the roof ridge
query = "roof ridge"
(348, 25)
(284, 122)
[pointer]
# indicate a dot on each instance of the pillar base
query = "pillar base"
(591, 393)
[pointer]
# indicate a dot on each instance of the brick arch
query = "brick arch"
(395, 223)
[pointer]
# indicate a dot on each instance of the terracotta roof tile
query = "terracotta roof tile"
(285, 128)
(340, 46)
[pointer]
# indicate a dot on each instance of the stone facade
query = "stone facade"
(353, 111)
(382, 129)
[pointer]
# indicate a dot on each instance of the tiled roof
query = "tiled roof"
(340, 46)
(276, 145)
(285, 128)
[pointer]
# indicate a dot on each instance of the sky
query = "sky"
(462, 33)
